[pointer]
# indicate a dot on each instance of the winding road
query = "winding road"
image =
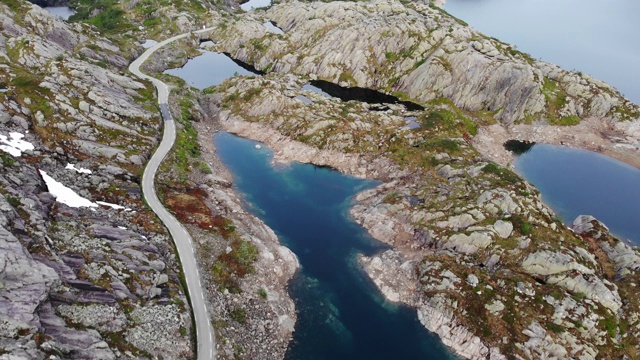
(206, 348)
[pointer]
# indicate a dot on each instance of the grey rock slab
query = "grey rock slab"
(503, 228)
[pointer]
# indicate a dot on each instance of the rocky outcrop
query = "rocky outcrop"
(394, 276)
(422, 52)
(77, 282)
(488, 266)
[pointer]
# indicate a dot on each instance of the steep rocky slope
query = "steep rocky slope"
(97, 281)
(422, 53)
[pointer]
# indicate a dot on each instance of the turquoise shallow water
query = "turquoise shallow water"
(579, 182)
(341, 314)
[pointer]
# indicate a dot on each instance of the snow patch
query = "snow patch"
(113, 206)
(16, 145)
(64, 194)
(80, 170)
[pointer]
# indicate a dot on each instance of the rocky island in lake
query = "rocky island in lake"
(88, 271)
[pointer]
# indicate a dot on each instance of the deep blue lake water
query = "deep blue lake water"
(597, 37)
(579, 182)
(341, 313)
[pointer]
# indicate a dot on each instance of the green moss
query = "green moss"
(234, 265)
(15, 202)
(558, 329)
(7, 160)
(505, 176)
(239, 315)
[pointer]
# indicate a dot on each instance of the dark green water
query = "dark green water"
(579, 182)
(341, 315)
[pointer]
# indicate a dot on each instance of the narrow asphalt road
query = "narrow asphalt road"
(204, 331)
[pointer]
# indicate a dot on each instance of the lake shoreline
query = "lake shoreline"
(433, 316)
(617, 139)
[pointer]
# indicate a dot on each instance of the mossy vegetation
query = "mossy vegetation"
(231, 266)
(106, 15)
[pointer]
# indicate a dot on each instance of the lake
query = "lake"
(597, 37)
(579, 182)
(63, 12)
(341, 314)
(209, 69)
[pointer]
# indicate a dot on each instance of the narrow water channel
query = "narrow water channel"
(341, 315)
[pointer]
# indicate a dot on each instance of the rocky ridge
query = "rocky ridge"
(99, 282)
(423, 53)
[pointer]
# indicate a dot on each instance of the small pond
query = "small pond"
(315, 89)
(63, 12)
(341, 314)
(255, 4)
(210, 68)
(361, 94)
(579, 182)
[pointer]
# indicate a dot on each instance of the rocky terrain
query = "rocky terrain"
(489, 267)
(421, 53)
(95, 281)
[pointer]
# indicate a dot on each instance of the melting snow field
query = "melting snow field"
(15, 146)
(69, 197)
(64, 194)
(113, 206)
(79, 170)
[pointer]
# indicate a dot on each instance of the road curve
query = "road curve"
(206, 348)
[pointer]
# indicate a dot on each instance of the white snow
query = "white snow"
(15, 146)
(80, 170)
(64, 194)
(113, 206)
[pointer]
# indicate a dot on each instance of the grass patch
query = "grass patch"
(262, 293)
(558, 329)
(7, 160)
(13, 201)
(234, 265)
(505, 175)
(239, 315)
(567, 121)
(441, 145)
(106, 15)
